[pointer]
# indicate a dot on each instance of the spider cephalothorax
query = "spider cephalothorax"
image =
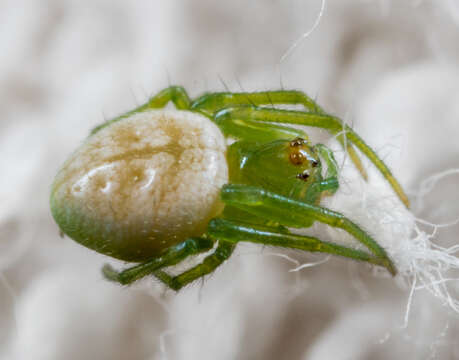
(156, 186)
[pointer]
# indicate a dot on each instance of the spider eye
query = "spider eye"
(303, 176)
(314, 163)
(297, 158)
(297, 142)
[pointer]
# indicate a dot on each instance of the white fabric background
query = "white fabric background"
(388, 67)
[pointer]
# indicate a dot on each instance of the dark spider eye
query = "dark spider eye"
(303, 176)
(314, 163)
(297, 142)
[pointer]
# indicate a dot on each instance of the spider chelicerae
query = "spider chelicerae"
(155, 186)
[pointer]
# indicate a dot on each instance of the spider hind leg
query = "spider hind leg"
(208, 265)
(172, 256)
(235, 232)
(292, 213)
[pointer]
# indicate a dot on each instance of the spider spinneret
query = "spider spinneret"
(156, 186)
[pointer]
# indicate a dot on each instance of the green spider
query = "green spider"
(157, 186)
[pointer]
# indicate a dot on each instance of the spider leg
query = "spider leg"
(331, 123)
(330, 184)
(235, 232)
(252, 130)
(209, 264)
(297, 214)
(327, 155)
(172, 256)
(210, 103)
(176, 94)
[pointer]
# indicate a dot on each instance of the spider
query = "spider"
(155, 186)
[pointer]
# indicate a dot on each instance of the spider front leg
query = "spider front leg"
(211, 103)
(209, 264)
(235, 232)
(328, 122)
(297, 214)
(172, 256)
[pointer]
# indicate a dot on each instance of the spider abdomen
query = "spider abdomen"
(142, 184)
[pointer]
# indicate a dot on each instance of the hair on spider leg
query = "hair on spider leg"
(223, 83)
(270, 100)
(246, 93)
(168, 75)
(236, 77)
(201, 289)
(281, 81)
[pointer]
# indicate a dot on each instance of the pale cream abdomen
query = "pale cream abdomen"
(142, 183)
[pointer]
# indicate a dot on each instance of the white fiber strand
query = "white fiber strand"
(304, 35)
(311, 264)
(418, 258)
